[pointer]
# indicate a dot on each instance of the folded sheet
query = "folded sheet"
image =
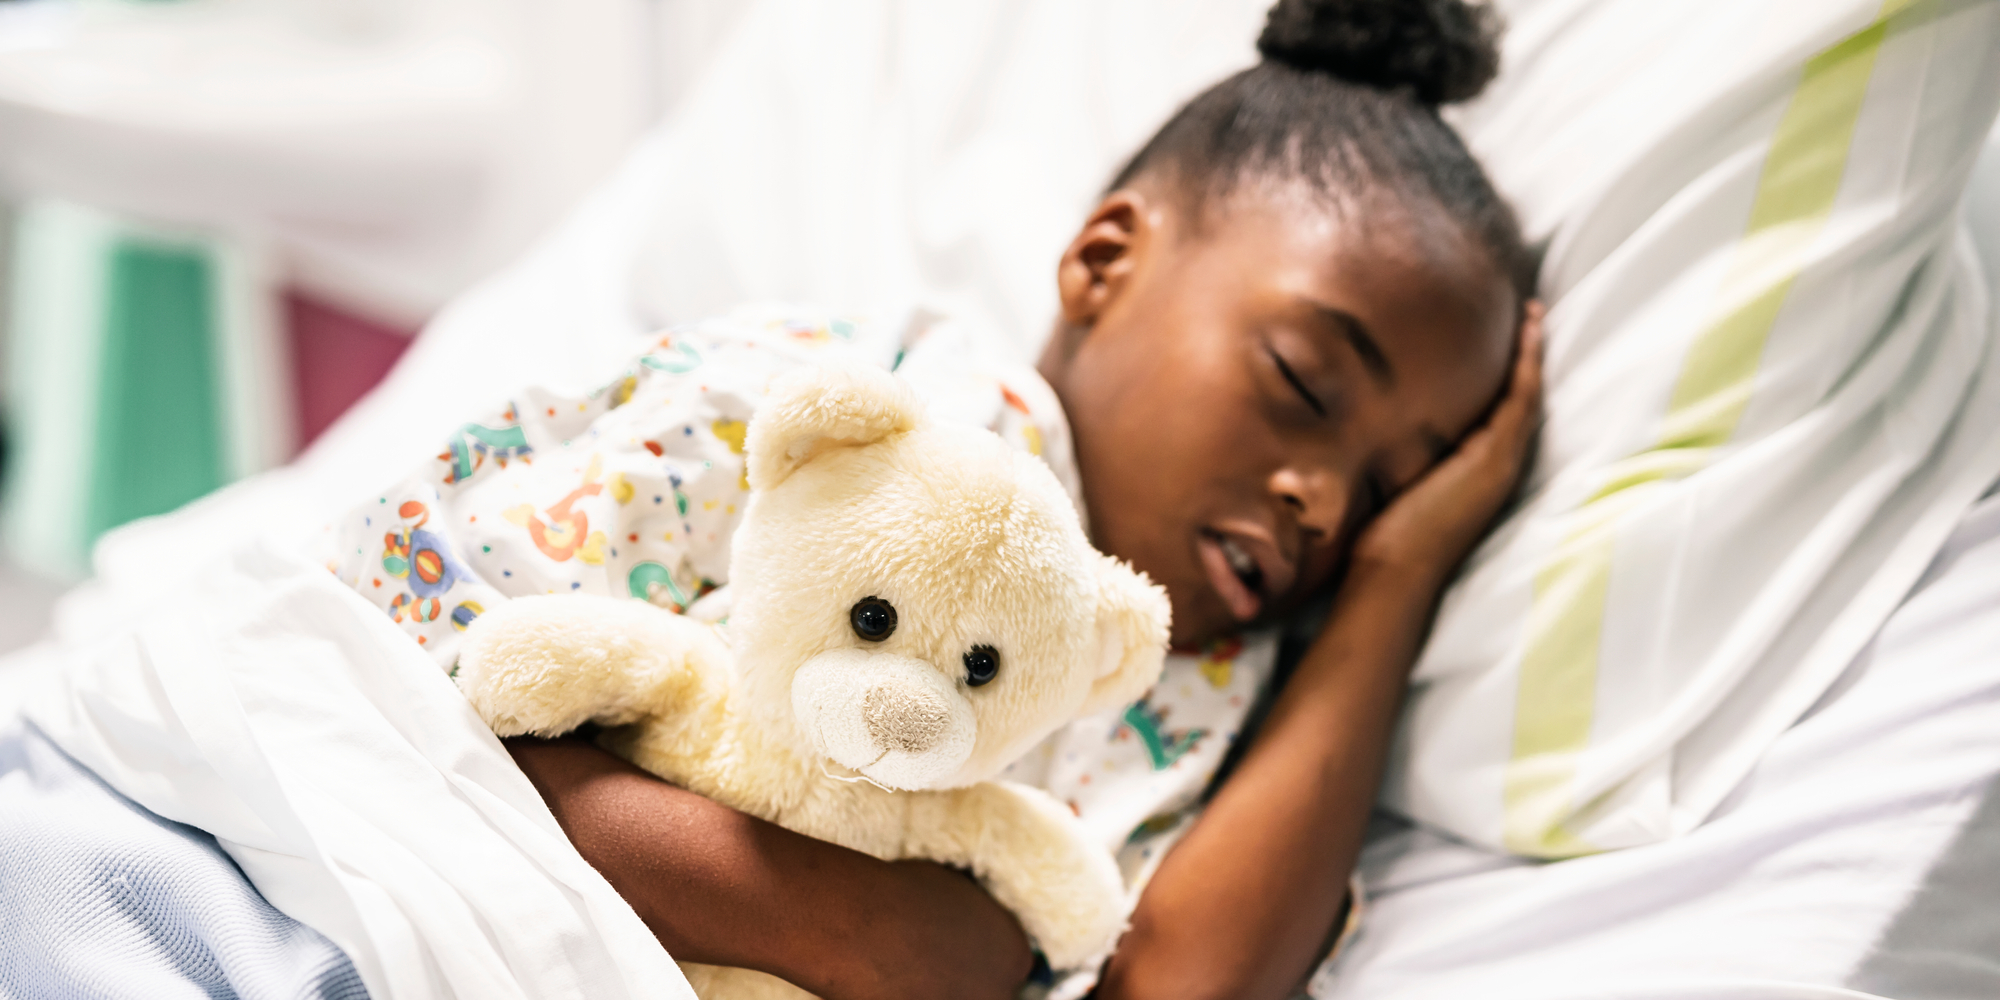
(274, 707)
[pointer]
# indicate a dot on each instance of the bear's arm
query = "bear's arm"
(545, 665)
(1033, 855)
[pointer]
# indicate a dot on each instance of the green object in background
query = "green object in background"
(158, 440)
(144, 369)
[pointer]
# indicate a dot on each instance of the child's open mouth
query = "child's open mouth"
(1233, 572)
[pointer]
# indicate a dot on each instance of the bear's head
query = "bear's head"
(917, 600)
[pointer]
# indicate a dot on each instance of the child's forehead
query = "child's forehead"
(1378, 254)
(1373, 231)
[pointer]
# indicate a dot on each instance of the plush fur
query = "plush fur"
(884, 746)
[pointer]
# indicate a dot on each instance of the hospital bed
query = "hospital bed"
(1846, 850)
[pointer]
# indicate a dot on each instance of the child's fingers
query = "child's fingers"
(1440, 518)
(1512, 424)
(1528, 366)
(1524, 389)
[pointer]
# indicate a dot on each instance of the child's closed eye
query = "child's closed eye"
(1298, 385)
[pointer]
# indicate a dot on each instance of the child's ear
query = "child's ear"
(1101, 259)
(1132, 620)
(810, 411)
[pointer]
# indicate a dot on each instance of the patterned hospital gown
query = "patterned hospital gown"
(635, 487)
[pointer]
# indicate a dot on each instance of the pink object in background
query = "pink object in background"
(336, 358)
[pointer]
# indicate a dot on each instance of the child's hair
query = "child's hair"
(1346, 101)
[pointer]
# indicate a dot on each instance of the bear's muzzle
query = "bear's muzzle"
(896, 719)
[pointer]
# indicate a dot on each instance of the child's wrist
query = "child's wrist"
(1391, 571)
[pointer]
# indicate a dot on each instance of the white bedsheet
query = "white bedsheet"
(1863, 852)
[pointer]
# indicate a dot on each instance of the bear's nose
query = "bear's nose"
(908, 719)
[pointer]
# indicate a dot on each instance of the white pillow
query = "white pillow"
(1772, 392)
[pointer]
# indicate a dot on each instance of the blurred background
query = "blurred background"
(221, 221)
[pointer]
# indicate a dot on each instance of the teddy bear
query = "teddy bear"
(914, 604)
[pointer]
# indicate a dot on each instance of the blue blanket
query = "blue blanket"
(101, 898)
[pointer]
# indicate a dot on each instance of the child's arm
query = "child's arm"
(723, 888)
(1245, 905)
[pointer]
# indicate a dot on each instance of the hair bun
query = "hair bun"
(1442, 50)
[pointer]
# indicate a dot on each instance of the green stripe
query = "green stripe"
(1795, 196)
(1556, 698)
(159, 429)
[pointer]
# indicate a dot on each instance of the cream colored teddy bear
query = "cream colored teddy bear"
(915, 606)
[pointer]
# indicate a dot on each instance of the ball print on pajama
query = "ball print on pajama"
(395, 555)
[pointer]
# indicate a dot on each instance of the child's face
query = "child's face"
(1245, 396)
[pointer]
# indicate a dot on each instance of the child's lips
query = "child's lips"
(1243, 604)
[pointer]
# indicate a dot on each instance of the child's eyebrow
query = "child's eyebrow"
(1355, 332)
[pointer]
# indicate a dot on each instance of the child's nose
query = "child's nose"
(1316, 498)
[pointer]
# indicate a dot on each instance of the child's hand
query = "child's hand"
(1433, 525)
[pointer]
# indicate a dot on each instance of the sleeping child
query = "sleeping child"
(1297, 358)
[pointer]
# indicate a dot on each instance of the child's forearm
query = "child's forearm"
(723, 888)
(1244, 905)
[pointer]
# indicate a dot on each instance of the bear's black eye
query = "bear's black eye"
(982, 664)
(873, 618)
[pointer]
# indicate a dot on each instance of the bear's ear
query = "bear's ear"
(1132, 620)
(812, 410)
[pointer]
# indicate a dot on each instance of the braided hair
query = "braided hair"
(1345, 101)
